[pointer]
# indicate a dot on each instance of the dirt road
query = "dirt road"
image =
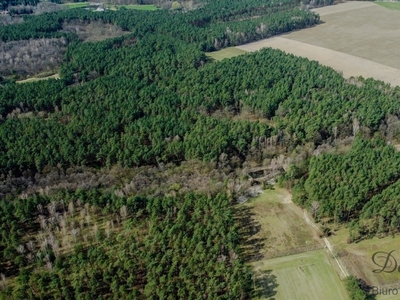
(328, 246)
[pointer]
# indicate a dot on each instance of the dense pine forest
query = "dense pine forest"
(75, 222)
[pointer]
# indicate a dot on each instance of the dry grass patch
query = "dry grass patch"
(39, 77)
(225, 53)
(277, 225)
(358, 258)
(308, 276)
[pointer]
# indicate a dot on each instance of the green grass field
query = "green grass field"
(225, 53)
(140, 7)
(76, 4)
(304, 276)
(282, 227)
(358, 258)
(390, 5)
(279, 225)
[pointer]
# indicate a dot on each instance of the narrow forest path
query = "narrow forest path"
(327, 244)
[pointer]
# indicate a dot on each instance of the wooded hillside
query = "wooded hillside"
(152, 100)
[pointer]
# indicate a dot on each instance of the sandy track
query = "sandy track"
(328, 246)
(349, 65)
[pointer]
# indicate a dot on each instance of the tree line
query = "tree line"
(360, 187)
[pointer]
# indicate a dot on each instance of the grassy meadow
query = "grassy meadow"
(281, 225)
(304, 276)
(225, 53)
(277, 228)
(76, 4)
(358, 257)
(39, 77)
(390, 5)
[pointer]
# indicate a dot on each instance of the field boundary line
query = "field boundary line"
(294, 251)
(327, 244)
(346, 64)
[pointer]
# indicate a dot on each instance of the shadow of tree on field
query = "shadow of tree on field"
(247, 228)
(265, 285)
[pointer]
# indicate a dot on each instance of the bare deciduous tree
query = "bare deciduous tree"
(21, 249)
(3, 281)
(29, 257)
(95, 230)
(52, 207)
(71, 208)
(43, 222)
(315, 208)
(119, 193)
(74, 233)
(40, 209)
(356, 126)
(81, 223)
(88, 219)
(30, 245)
(82, 213)
(123, 211)
(44, 245)
(49, 265)
(335, 132)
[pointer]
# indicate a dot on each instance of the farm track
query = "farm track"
(328, 246)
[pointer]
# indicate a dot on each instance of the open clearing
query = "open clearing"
(111, 6)
(278, 229)
(357, 258)
(308, 276)
(133, 6)
(140, 7)
(281, 225)
(226, 53)
(356, 38)
(39, 77)
(76, 4)
(291, 262)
